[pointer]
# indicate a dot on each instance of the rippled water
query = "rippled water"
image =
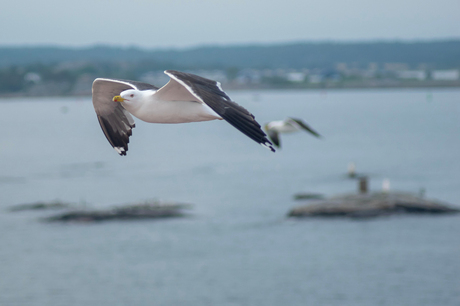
(236, 247)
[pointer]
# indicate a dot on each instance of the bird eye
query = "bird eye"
(131, 95)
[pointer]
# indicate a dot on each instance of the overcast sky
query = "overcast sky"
(174, 23)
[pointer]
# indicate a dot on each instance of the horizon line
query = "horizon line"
(229, 45)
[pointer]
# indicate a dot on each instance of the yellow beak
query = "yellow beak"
(118, 99)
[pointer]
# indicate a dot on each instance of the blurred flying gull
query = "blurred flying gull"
(288, 125)
(185, 98)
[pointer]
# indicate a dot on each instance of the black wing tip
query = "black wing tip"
(121, 150)
(306, 127)
(268, 145)
(210, 92)
(274, 137)
(314, 133)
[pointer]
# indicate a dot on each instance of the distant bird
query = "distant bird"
(289, 125)
(185, 98)
(386, 185)
(351, 170)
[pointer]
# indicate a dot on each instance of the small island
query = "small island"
(365, 205)
(147, 210)
(151, 209)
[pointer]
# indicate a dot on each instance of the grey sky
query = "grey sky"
(174, 23)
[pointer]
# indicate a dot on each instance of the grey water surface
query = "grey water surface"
(236, 247)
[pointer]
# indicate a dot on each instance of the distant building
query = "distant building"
(297, 77)
(446, 75)
(412, 75)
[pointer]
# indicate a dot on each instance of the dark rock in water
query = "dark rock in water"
(371, 205)
(308, 196)
(128, 212)
(40, 206)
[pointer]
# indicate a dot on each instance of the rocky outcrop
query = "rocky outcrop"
(147, 210)
(40, 206)
(372, 205)
(308, 196)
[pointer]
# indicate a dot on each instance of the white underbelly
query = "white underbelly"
(175, 112)
(287, 129)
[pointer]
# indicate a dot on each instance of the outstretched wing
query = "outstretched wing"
(116, 122)
(304, 126)
(195, 88)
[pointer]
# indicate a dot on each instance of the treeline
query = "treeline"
(440, 54)
(21, 68)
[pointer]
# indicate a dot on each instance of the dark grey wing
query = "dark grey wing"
(116, 122)
(209, 92)
(305, 126)
(274, 136)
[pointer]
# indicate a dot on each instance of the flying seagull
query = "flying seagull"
(289, 125)
(185, 98)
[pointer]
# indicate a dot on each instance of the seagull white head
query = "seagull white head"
(129, 96)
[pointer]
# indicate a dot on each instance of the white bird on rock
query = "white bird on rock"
(289, 125)
(185, 98)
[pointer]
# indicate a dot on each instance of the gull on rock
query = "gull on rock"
(185, 98)
(289, 125)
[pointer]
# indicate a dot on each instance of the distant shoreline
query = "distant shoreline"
(368, 84)
(322, 86)
(60, 71)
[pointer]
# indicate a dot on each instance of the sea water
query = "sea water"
(236, 246)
